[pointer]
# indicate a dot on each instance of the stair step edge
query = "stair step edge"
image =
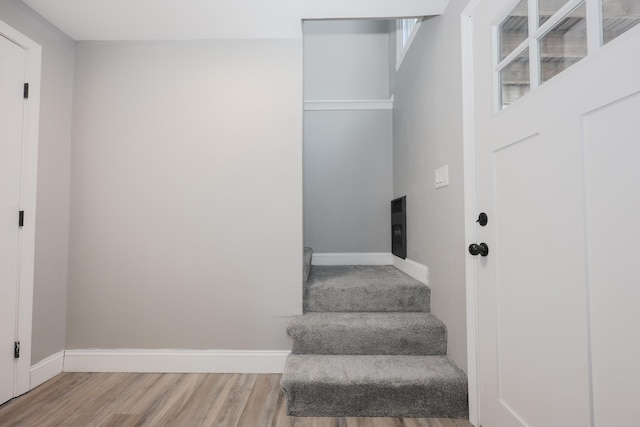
(437, 389)
(363, 368)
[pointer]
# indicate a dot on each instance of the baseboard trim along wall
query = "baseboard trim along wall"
(352, 258)
(176, 361)
(416, 270)
(46, 369)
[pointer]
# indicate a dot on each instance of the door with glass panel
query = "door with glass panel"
(556, 130)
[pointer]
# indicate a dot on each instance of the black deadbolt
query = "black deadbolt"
(482, 219)
(481, 249)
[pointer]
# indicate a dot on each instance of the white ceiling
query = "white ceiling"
(210, 19)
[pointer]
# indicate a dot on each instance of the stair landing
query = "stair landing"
(361, 288)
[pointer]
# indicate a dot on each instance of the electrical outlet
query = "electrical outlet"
(442, 176)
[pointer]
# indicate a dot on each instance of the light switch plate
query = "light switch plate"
(442, 176)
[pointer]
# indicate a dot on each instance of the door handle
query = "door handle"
(483, 219)
(481, 249)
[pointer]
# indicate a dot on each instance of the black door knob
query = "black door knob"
(481, 249)
(483, 219)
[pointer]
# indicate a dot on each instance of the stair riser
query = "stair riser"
(437, 400)
(411, 299)
(413, 341)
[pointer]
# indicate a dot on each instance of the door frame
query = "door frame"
(29, 181)
(468, 150)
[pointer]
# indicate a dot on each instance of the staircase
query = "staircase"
(367, 346)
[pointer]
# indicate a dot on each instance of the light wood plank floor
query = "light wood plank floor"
(127, 400)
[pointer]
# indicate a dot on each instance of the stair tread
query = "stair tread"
(354, 276)
(364, 288)
(374, 386)
(368, 333)
(359, 320)
(371, 369)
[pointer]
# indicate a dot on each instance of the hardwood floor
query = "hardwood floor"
(128, 400)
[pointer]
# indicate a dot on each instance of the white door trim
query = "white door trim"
(28, 203)
(468, 142)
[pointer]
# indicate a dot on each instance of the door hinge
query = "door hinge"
(16, 350)
(21, 219)
(26, 91)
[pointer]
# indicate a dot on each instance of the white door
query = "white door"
(557, 174)
(12, 77)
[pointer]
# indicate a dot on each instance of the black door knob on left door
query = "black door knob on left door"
(481, 249)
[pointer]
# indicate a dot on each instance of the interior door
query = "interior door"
(557, 176)
(12, 76)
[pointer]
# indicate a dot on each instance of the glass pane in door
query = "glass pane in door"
(547, 8)
(619, 16)
(514, 29)
(564, 45)
(514, 79)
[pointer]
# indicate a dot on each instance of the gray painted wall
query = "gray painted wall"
(52, 224)
(346, 60)
(167, 269)
(186, 196)
(427, 132)
(347, 180)
(347, 154)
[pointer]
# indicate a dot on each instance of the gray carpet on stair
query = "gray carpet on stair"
(367, 346)
(368, 333)
(389, 386)
(363, 288)
(306, 263)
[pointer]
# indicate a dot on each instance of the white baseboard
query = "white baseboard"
(352, 258)
(46, 369)
(176, 361)
(416, 270)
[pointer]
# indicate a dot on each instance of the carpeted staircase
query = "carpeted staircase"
(367, 346)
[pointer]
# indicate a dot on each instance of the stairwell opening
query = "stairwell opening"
(348, 136)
